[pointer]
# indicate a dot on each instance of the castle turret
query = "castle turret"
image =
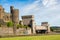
(11, 11)
(1, 12)
(14, 15)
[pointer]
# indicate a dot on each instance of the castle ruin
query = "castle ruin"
(27, 20)
(12, 16)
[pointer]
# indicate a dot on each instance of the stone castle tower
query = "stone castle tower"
(12, 16)
(29, 21)
(1, 12)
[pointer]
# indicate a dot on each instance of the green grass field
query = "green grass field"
(45, 37)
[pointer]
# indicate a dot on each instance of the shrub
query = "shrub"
(9, 24)
(21, 26)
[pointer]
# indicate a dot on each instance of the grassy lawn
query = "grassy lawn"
(45, 37)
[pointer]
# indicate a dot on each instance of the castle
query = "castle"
(12, 16)
(26, 20)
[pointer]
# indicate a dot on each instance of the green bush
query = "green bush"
(21, 26)
(9, 24)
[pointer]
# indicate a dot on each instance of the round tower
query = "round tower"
(11, 8)
(14, 15)
(11, 11)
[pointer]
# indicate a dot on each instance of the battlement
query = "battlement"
(27, 16)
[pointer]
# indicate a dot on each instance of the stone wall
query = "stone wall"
(9, 31)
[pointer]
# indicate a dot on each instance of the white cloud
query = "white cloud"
(48, 12)
(31, 7)
(45, 2)
(49, 3)
(35, 6)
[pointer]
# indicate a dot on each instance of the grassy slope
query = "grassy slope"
(46, 37)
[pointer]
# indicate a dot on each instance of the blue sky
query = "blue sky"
(43, 10)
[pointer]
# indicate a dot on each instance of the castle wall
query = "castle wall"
(7, 17)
